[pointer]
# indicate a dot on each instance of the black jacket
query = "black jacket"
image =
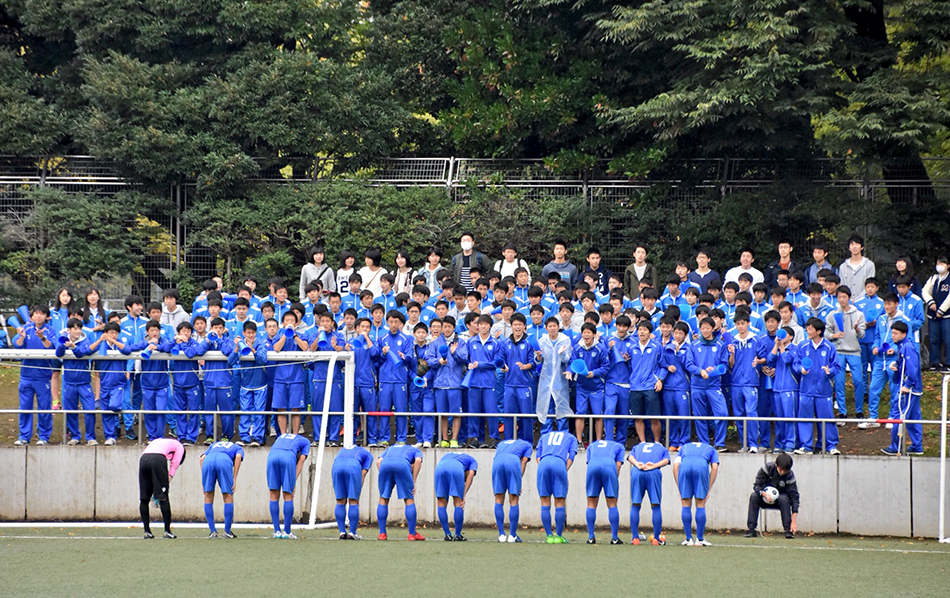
(785, 484)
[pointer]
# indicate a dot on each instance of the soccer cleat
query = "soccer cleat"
(635, 541)
(703, 542)
(514, 539)
(41, 442)
(382, 537)
(110, 441)
(354, 536)
(560, 540)
(502, 539)
(868, 425)
(400, 443)
(255, 444)
(889, 452)
(73, 442)
(550, 540)
(592, 540)
(416, 537)
(687, 542)
(278, 535)
(751, 534)
(448, 538)
(657, 542)
(453, 444)
(615, 541)
(19, 442)
(642, 536)
(230, 535)
(92, 442)
(789, 535)
(834, 451)
(343, 536)
(458, 538)
(446, 444)
(169, 536)
(212, 535)
(290, 536)
(148, 536)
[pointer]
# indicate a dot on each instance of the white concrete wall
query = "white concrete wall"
(856, 495)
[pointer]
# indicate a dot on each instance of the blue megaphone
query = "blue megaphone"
(443, 351)
(322, 343)
(63, 337)
(14, 322)
(807, 363)
(289, 333)
(781, 334)
(839, 321)
(146, 354)
(24, 313)
(212, 336)
(467, 380)
(885, 347)
(769, 381)
(176, 350)
(244, 349)
(534, 344)
(499, 363)
(394, 357)
(719, 371)
(872, 314)
(618, 353)
(726, 337)
(579, 367)
(419, 381)
(357, 343)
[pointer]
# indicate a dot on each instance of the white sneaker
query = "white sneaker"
(110, 441)
(19, 442)
(687, 542)
(512, 539)
(273, 432)
(753, 449)
(41, 442)
(72, 442)
(417, 445)
(889, 426)
(426, 445)
(92, 442)
(868, 425)
(702, 543)
(301, 431)
(834, 451)
(502, 539)
(642, 537)
(290, 536)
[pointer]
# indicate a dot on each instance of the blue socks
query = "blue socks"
(560, 518)
(459, 520)
(546, 519)
(354, 518)
(444, 519)
(514, 513)
(275, 514)
(635, 520)
(228, 515)
(701, 522)
(382, 513)
(411, 518)
(209, 515)
(688, 522)
(340, 513)
(591, 519)
(500, 517)
(657, 521)
(613, 515)
(288, 515)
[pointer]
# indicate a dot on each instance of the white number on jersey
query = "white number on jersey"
(288, 435)
(602, 443)
(556, 438)
(648, 447)
(225, 443)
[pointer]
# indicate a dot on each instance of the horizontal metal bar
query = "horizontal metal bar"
(279, 356)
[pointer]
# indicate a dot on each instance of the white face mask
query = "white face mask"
(466, 245)
(941, 268)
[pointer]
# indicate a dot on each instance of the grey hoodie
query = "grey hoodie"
(174, 318)
(850, 344)
(855, 277)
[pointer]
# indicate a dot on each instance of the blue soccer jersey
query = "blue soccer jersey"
(450, 474)
(298, 445)
(347, 471)
(553, 452)
(217, 467)
(649, 483)
(557, 444)
(395, 471)
(694, 459)
(606, 450)
(406, 452)
(506, 466)
(602, 459)
(282, 462)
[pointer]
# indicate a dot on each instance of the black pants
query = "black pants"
(756, 502)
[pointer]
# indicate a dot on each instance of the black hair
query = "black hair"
(184, 325)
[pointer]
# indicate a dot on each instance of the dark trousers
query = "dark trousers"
(782, 504)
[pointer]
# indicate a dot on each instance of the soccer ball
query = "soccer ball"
(769, 494)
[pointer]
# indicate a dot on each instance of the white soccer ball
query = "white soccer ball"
(770, 494)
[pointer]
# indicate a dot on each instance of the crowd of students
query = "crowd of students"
(467, 336)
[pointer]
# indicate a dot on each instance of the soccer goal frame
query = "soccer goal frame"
(941, 527)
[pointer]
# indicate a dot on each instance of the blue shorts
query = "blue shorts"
(694, 482)
(506, 475)
(602, 477)
(395, 473)
(347, 479)
(448, 400)
(217, 468)
(644, 402)
(449, 479)
(552, 477)
(646, 482)
(589, 402)
(288, 396)
(281, 471)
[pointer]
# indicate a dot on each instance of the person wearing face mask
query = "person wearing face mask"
(465, 260)
(936, 295)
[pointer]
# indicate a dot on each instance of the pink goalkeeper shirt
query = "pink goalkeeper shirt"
(172, 449)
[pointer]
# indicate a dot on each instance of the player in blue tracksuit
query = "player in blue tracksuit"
(77, 382)
(253, 393)
(348, 473)
(398, 468)
(764, 344)
(396, 361)
(617, 387)
(421, 398)
(604, 460)
(646, 478)
(218, 382)
(365, 356)
(481, 351)
(872, 306)
(815, 307)
(814, 391)
(906, 376)
(507, 471)
(220, 465)
(883, 354)
(646, 378)
(453, 477)
(744, 359)
(155, 378)
(327, 339)
(555, 453)
(448, 359)
(590, 388)
(695, 471)
(187, 394)
(133, 328)
(785, 390)
(112, 380)
(518, 355)
(676, 385)
(704, 357)
(289, 377)
(284, 462)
